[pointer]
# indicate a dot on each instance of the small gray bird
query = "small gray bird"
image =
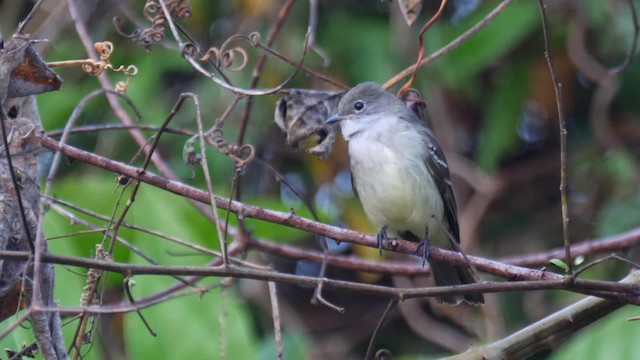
(400, 175)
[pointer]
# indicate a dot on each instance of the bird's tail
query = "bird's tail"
(447, 274)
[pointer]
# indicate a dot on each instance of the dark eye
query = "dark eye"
(358, 105)
(13, 112)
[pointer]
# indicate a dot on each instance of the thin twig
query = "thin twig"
(110, 127)
(14, 324)
(625, 292)
(605, 259)
(426, 26)
(127, 290)
(392, 305)
(222, 237)
(257, 70)
(14, 181)
(557, 86)
(28, 18)
(275, 312)
(117, 108)
(450, 46)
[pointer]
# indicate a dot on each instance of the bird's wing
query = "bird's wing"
(439, 170)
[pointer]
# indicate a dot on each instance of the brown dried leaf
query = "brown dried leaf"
(410, 10)
(28, 73)
(301, 114)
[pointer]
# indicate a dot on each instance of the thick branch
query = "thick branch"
(547, 332)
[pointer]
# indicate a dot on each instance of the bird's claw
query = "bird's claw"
(382, 237)
(423, 248)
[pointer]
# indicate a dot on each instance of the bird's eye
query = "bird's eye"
(358, 105)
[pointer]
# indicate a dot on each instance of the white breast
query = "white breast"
(392, 180)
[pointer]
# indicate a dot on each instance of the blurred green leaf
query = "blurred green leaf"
(499, 134)
(618, 215)
(189, 327)
(519, 20)
(197, 316)
(294, 346)
(611, 338)
(374, 63)
(620, 165)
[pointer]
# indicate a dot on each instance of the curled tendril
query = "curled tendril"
(226, 56)
(183, 9)
(93, 68)
(104, 50)
(153, 12)
(189, 49)
(255, 38)
(229, 56)
(241, 154)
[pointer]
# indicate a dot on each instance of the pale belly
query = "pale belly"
(396, 193)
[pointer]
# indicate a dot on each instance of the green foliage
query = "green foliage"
(611, 338)
(373, 62)
(294, 346)
(620, 165)
(618, 215)
(197, 316)
(504, 110)
(507, 31)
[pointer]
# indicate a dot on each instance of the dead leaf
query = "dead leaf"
(28, 73)
(410, 10)
(301, 114)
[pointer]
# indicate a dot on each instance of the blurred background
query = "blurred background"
(491, 102)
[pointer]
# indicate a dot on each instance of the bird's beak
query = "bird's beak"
(334, 118)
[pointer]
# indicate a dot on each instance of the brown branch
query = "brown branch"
(547, 332)
(275, 313)
(117, 108)
(452, 45)
(588, 247)
(426, 26)
(257, 70)
(288, 219)
(562, 125)
(292, 220)
(624, 292)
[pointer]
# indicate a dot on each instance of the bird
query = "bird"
(401, 177)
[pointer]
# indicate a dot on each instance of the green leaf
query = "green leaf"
(504, 33)
(294, 346)
(345, 37)
(559, 263)
(502, 115)
(618, 215)
(620, 165)
(188, 327)
(611, 338)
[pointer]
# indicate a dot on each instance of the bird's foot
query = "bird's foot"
(381, 238)
(423, 248)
